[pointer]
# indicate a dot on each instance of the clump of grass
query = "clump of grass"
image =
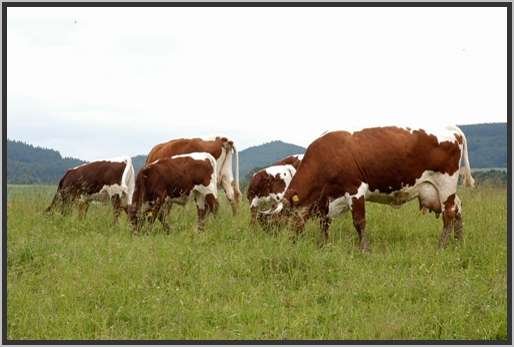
(71, 279)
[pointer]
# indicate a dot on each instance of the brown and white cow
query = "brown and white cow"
(174, 180)
(220, 148)
(268, 185)
(101, 180)
(388, 165)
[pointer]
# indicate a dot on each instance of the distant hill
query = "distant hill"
(29, 164)
(138, 162)
(487, 146)
(264, 155)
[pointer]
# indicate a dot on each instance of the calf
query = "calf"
(101, 180)
(389, 165)
(174, 180)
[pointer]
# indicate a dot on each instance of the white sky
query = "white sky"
(121, 80)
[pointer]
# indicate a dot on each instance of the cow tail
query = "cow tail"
(214, 181)
(237, 171)
(468, 180)
(127, 180)
(57, 193)
(141, 189)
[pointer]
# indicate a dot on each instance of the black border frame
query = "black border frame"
(5, 5)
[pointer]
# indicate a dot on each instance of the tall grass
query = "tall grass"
(71, 279)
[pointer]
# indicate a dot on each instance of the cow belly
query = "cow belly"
(432, 189)
(395, 199)
(104, 194)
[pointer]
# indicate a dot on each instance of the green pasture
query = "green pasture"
(72, 279)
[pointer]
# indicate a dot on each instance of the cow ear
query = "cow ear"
(224, 139)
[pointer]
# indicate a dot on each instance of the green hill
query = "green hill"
(28, 164)
(487, 146)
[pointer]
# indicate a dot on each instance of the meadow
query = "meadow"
(89, 279)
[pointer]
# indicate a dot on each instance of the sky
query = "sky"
(104, 82)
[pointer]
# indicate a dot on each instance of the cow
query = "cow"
(166, 181)
(220, 148)
(341, 170)
(267, 187)
(294, 160)
(109, 179)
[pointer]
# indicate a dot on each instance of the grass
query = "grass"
(71, 279)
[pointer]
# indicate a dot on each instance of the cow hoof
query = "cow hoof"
(365, 248)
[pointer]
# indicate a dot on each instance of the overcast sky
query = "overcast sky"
(102, 82)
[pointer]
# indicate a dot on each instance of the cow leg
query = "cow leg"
(116, 206)
(57, 199)
(448, 220)
(237, 192)
(201, 209)
(458, 228)
(359, 222)
(163, 216)
(253, 215)
(324, 224)
(230, 194)
(212, 204)
(83, 206)
(67, 204)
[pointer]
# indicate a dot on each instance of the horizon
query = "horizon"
(239, 150)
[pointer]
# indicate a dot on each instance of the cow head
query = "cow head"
(291, 209)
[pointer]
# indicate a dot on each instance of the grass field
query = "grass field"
(71, 279)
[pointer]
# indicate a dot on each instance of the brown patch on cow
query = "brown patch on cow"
(263, 184)
(291, 160)
(184, 146)
(91, 177)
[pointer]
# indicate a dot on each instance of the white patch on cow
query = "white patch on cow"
(344, 203)
(113, 189)
(211, 188)
(298, 156)
(442, 133)
(128, 181)
(76, 167)
(286, 173)
(338, 206)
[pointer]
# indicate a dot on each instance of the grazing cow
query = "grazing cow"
(174, 180)
(267, 188)
(294, 160)
(388, 165)
(220, 148)
(98, 180)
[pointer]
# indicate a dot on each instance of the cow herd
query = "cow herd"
(339, 172)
